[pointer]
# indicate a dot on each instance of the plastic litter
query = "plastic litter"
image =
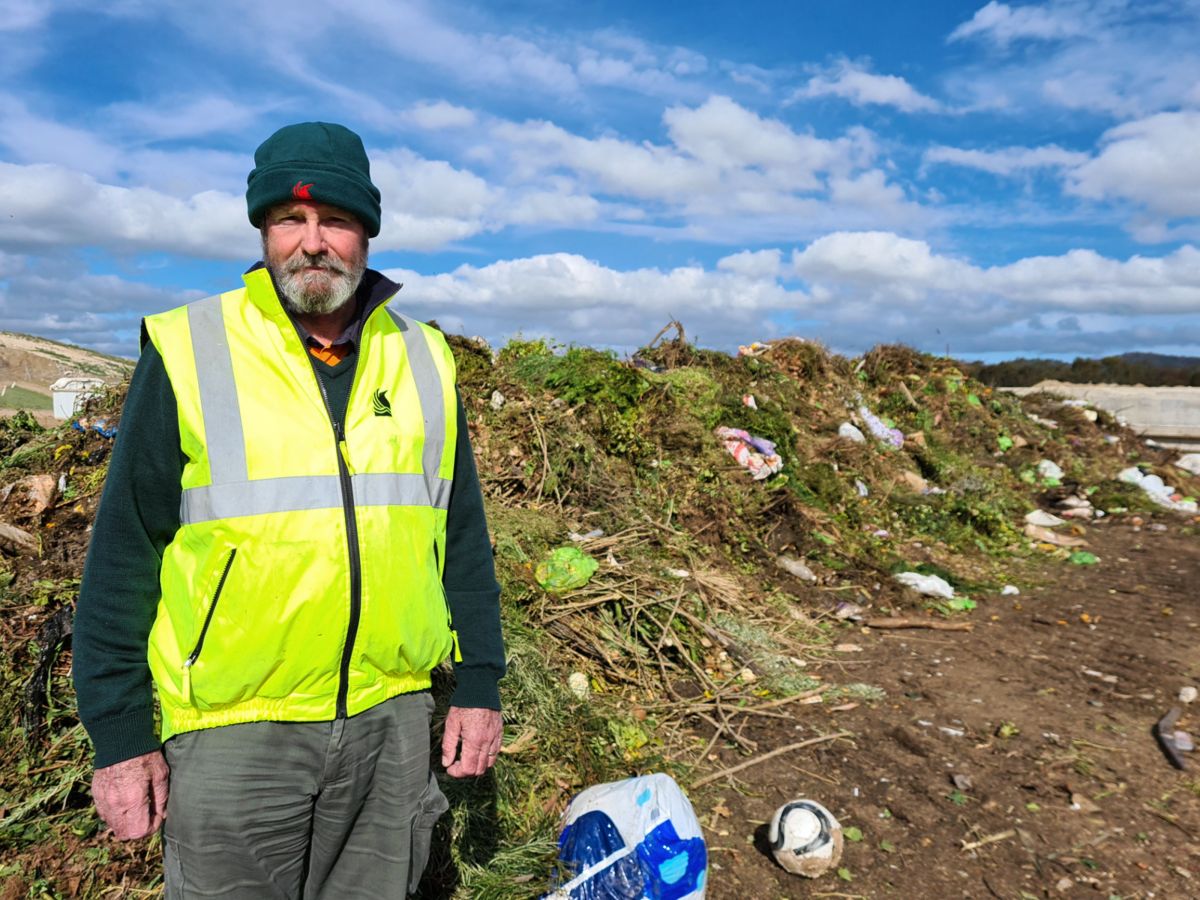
(1049, 469)
(848, 610)
(590, 536)
(1074, 503)
(756, 454)
(1083, 558)
(795, 567)
(756, 348)
(1188, 694)
(879, 429)
(632, 839)
(1044, 519)
(1189, 462)
(930, 585)
(1156, 490)
(851, 433)
(860, 486)
(565, 569)
(100, 426)
(1046, 536)
(1010, 590)
(578, 684)
(748, 400)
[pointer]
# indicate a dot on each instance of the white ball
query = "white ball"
(805, 838)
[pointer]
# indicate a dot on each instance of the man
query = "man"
(291, 537)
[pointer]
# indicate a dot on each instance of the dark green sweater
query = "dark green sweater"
(139, 515)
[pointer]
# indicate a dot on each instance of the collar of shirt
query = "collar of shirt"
(349, 336)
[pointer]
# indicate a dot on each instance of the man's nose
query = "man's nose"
(312, 242)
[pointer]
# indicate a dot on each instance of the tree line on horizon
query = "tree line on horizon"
(1148, 369)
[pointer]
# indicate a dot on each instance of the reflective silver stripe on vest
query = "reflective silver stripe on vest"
(233, 494)
(429, 391)
(306, 492)
(223, 435)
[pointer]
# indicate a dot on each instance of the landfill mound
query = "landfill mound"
(685, 539)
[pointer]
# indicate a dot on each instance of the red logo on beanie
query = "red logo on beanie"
(300, 191)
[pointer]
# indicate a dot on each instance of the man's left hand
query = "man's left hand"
(479, 732)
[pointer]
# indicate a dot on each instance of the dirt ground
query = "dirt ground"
(1043, 714)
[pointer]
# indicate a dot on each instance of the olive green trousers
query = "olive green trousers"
(303, 810)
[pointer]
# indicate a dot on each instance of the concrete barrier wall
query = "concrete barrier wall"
(1170, 415)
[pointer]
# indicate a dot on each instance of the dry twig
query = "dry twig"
(707, 779)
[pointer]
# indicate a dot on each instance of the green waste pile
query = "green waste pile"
(662, 580)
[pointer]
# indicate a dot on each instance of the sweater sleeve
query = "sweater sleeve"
(118, 599)
(471, 587)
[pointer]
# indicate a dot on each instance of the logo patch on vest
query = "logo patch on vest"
(379, 402)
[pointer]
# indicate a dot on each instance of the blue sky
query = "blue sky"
(998, 179)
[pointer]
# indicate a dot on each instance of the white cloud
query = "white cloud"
(1102, 56)
(50, 206)
(175, 117)
(439, 114)
(573, 298)
(1006, 161)
(854, 83)
(101, 312)
(882, 267)
(1002, 24)
(727, 171)
(1150, 162)
(29, 137)
(753, 263)
(22, 15)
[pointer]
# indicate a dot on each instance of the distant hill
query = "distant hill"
(30, 364)
(1149, 369)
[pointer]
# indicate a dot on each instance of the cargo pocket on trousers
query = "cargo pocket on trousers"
(429, 809)
(173, 884)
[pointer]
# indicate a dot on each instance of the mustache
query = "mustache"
(325, 261)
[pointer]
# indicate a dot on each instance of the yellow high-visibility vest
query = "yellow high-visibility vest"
(305, 581)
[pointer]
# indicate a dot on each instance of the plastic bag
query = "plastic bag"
(632, 839)
(930, 585)
(565, 569)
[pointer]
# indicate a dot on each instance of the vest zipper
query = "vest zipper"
(212, 608)
(352, 546)
(437, 565)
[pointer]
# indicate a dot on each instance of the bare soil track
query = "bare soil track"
(1043, 714)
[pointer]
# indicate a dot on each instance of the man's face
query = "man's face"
(316, 252)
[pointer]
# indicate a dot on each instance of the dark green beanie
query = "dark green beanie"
(313, 161)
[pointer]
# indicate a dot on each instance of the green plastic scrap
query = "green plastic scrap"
(565, 569)
(1083, 558)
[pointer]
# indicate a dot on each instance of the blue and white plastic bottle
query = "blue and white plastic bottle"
(636, 839)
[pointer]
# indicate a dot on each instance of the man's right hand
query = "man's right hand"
(131, 796)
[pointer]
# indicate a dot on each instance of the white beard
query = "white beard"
(317, 293)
